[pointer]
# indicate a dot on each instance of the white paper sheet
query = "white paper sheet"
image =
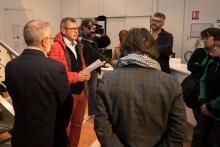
(93, 66)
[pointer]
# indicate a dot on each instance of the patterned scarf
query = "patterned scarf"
(138, 59)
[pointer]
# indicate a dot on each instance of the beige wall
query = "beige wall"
(178, 14)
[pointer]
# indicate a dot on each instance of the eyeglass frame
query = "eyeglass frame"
(157, 21)
(72, 29)
(205, 37)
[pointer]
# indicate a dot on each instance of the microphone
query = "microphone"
(93, 48)
(84, 39)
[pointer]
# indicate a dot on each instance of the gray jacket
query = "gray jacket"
(140, 107)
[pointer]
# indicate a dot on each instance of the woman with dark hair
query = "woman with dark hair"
(199, 60)
(207, 130)
(137, 104)
(195, 62)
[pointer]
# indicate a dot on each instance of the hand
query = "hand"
(87, 76)
(205, 111)
(83, 76)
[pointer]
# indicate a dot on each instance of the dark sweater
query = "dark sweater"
(198, 61)
(210, 87)
(165, 44)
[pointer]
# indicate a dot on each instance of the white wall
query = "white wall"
(174, 21)
(178, 14)
(48, 10)
(122, 14)
(1, 20)
(209, 13)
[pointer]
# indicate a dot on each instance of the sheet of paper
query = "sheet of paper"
(93, 66)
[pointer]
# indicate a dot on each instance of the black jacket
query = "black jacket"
(90, 50)
(41, 99)
(165, 44)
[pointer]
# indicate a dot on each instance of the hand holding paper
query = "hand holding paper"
(93, 66)
(83, 76)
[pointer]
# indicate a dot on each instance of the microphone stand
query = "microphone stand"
(99, 55)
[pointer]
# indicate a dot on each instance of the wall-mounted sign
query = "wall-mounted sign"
(197, 28)
(195, 15)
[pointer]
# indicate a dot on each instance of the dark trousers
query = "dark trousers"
(206, 133)
(92, 86)
(196, 112)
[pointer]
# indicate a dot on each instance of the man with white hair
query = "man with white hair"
(40, 92)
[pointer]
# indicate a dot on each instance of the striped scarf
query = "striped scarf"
(138, 59)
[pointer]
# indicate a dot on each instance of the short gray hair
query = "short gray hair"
(65, 20)
(34, 31)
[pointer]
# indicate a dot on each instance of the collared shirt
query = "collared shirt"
(71, 45)
(35, 48)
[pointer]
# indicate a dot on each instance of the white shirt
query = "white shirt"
(71, 45)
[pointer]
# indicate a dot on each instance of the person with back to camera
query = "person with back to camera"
(116, 50)
(164, 40)
(137, 104)
(40, 92)
(199, 60)
(207, 130)
(67, 50)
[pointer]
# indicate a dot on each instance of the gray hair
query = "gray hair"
(34, 31)
(65, 20)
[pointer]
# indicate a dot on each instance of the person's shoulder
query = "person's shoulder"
(14, 61)
(10, 63)
(58, 42)
(166, 33)
(168, 77)
(200, 51)
(53, 63)
(56, 45)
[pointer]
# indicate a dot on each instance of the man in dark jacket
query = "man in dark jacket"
(40, 92)
(88, 31)
(164, 40)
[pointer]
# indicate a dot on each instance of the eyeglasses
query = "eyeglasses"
(157, 21)
(205, 37)
(72, 29)
(48, 38)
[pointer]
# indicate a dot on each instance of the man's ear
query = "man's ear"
(44, 42)
(163, 23)
(62, 30)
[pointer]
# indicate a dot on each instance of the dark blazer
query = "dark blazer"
(139, 107)
(41, 99)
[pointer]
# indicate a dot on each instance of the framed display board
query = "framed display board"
(197, 28)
